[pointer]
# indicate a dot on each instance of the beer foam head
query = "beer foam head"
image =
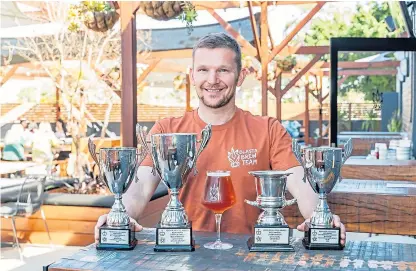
(218, 173)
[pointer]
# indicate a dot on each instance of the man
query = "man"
(240, 143)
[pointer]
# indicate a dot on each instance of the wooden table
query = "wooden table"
(357, 168)
(357, 255)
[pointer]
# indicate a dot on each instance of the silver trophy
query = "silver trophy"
(174, 156)
(322, 167)
(117, 168)
(271, 232)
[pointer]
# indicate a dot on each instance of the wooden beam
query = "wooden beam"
(264, 59)
(278, 94)
(306, 114)
(9, 74)
(147, 71)
(326, 96)
(305, 50)
(363, 72)
(301, 73)
(254, 29)
(246, 47)
(342, 80)
(363, 65)
(128, 74)
(298, 27)
(202, 5)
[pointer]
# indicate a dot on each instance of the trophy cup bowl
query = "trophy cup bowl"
(117, 168)
(271, 232)
(174, 156)
(322, 167)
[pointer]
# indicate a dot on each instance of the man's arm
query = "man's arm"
(140, 192)
(307, 199)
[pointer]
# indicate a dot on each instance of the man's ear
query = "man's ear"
(241, 77)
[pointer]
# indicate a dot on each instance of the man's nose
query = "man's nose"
(212, 77)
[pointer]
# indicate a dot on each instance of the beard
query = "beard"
(222, 102)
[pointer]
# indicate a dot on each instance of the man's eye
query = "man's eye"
(223, 70)
(202, 70)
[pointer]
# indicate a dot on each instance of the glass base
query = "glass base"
(218, 245)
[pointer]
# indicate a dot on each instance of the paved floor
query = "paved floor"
(36, 256)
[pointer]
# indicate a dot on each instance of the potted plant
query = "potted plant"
(395, 124)
(99, 16)
(286, 63)
(166, 10)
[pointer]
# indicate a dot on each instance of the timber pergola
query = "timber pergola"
(261, 51)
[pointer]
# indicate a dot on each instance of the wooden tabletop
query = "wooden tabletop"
(357, 255)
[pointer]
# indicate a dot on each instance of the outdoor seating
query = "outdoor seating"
(29, 201)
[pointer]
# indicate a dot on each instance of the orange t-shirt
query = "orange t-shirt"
(243, 144)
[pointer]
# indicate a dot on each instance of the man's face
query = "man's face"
(215, 76)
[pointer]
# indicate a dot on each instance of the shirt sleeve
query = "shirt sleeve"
(281, 154)
(156, 129)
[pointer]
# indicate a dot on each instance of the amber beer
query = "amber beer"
(219, 194)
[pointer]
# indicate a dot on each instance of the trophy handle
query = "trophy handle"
(289, 202)
(252, 203)
(347, 151)
(141, 134)
(298, 154)
(206, 136)
(92, 149)
(297, 151)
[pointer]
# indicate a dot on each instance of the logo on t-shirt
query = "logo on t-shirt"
(242, 157)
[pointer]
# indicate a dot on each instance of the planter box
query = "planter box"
(71, 218)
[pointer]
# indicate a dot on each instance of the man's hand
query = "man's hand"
(101, 221)
(336, 222)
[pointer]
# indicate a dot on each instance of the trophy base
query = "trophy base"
(322, 238)
(270, 239)
(111, 238)
(174, 239)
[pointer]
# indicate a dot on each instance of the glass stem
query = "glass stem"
(218, 222)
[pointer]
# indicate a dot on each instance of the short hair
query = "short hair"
(220, 40)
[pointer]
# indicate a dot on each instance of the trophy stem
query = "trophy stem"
(322, 216)
(174, 214)
(118, 215)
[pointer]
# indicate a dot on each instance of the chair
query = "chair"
(28, 201)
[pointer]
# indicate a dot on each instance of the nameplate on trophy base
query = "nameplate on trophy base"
(174, 239)
(322, 238)
(120, 238)
(270, 239)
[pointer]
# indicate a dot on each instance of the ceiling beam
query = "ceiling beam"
(301, 73)
(364, 72)
(293, 33)
(246, 47)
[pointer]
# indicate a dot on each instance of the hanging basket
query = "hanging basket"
(162, 10)
(99, 16)
(167, 10)
(286, 64)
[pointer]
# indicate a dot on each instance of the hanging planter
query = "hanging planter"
(166, 10)
(286, 64)
(99, 16)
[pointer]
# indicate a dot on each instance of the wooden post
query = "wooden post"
(264, 58)
(188, 93)
(306, 116)
(278, 94)
(128, 74)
